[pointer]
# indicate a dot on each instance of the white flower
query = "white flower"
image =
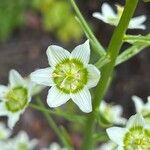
(109, 16)
(112, 113)
(14, 98)
(4, 132)
(20, 142)
(54, 146)
(142, 108)
(108, 146)
(136, 135)
(70, 76)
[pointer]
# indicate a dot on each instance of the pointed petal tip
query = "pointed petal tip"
(83, 100)
(56, 98)
(56, 54)
(82, 52)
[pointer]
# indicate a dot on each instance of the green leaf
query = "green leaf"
(100, 137)
(139, 43)
(66, 137)
(129, 53)
(146, 0)
(137, 39)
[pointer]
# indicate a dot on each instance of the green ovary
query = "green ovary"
(137, 138)
(70, 76)
(17, 98)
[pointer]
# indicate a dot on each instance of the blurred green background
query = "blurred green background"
(28, 27)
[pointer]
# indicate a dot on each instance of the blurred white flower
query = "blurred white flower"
(141, 107)
(109, 16)
(108, 146)
(54, 146)
(14, 97)
(35, 88)
(136, 135)
(20, 142)
(112, 113)
(4, 132)
(70, 76)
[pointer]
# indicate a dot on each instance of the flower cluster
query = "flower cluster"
(111, 113)
(20, 142)
(136, 134)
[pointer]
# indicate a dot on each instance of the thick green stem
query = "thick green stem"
(113, 50)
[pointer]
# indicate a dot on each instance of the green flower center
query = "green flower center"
(70, 76)
(17, 98)
(2, 135)
(137, 138)
(22, 146)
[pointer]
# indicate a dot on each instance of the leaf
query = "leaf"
(146, 0)
(137, 39)
(129, 53)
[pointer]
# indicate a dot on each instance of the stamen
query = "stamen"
(70, 76)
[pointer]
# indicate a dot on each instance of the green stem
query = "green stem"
(113, 50)
(53, 125)
(97, 46)
(70, 117)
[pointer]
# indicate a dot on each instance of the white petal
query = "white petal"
(12, 119)
(116, 134)
(103, 106)
(3, 110)
(148, 99)
(137, 22)
(36, 89)
(135, 120)
(22, 137)
(120, 148)
(54, 146)
(42, 76)
(107, 10)
(56, 98)
(139, 104)
(107, 146)
(5, 132)
(100, 17)
(15, 79)
(3, 91)
(83, 100)
(82, 52)
(56, 54)
(117, 111)
(94, 76)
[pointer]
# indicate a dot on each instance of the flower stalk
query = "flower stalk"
(95, 43)
(113, 50)
(53, 125)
